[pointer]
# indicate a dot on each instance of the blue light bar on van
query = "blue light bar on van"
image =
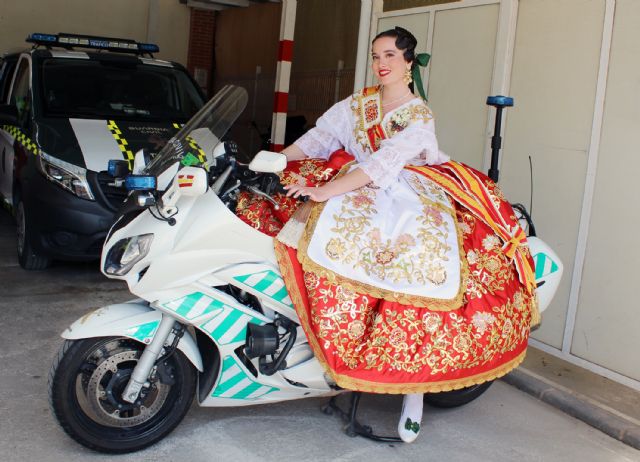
(148, 47)
(140, 183)
(89, 41)
(46, 38)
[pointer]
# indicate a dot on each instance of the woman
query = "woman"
(411, 275)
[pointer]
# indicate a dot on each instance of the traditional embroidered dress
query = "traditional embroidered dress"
(418, 282)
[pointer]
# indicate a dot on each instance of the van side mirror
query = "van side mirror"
(8, 114)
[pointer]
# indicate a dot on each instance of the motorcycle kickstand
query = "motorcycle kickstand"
(353, 427)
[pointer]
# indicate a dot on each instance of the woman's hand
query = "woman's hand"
(316, 194)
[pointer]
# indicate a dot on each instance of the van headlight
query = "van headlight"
(69, 176)
(127, 252)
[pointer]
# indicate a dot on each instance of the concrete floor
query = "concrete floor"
(503, 425)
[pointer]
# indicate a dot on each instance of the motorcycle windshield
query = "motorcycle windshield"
(212, 122)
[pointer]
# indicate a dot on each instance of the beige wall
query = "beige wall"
(553, 82)
(460, 79)
(115, 18)
(606, 329)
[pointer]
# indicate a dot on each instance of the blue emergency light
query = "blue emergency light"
(90, 41)
(140, 183)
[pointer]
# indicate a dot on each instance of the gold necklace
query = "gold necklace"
(388, 103)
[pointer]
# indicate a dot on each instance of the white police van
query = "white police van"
(68, 106)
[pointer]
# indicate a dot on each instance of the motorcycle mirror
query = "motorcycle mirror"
(268, 162)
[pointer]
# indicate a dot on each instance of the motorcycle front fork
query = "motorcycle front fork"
(140, 375)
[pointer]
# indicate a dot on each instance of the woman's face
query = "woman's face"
(388, 62)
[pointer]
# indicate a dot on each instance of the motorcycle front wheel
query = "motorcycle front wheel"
(86, 382)
(455, 398)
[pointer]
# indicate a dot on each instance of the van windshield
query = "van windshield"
(112, 89)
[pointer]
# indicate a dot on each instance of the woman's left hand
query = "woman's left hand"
(316, 194)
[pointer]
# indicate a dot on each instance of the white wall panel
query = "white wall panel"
(553, 81)
(460, 79)
(606, 328)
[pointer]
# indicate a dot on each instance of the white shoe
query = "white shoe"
(410, 418)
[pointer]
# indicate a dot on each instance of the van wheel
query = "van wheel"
(27, 257)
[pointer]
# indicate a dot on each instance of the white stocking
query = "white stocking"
(411, 417)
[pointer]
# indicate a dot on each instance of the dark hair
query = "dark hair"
(405, 41)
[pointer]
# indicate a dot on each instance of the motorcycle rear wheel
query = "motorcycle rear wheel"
(85, 386)
(455, 398)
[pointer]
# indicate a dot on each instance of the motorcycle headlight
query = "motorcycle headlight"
(126, 253)
(69, 176)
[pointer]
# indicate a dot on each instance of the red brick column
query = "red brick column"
(201, 45)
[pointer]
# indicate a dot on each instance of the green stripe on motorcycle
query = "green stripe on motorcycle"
(266, 281)
(230, 382)
(143, 331)
(188, 303)
(542, 261)
(247, 391)
(225, 325)
(269, 278)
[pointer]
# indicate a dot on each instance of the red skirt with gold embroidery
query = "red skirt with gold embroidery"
(373, 345)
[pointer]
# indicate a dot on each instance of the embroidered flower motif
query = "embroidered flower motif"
(384, 257)
(466, 229)
(356, 329)
(404, 242)
(397, 337)
(335, 249)
(518, 301)
(462, 342)
(490, 242)
(482, 320)
(492, 264)
(371, 359)
(374, 236)
(371, 111)
(437, 274)
(431, 322)
(507, 328)
(345, 295)
(434, 214)
(311, 280)
(361, 201)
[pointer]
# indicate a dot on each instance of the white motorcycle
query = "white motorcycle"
(213, 317)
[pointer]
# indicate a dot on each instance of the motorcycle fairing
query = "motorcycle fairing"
(548, 271)
(135, 320)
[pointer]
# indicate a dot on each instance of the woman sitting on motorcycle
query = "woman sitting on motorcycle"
(411, 275)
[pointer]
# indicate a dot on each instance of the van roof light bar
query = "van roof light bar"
(71, 41)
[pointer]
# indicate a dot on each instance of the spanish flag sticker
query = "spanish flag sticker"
(185, 181)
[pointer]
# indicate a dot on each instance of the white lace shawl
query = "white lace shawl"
(415, 145)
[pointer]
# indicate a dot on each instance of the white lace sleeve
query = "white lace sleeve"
(329, 134)
(415, 145)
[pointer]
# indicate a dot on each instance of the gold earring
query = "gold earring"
(408, 78)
